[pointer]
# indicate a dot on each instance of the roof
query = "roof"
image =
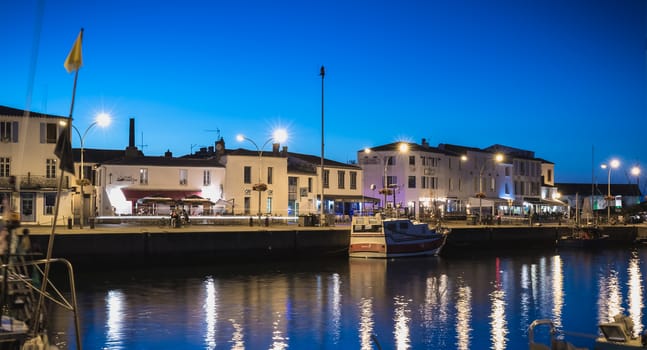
(584, 189)
(316, 161)
(164, 161)
(412, 147)
(15, 112)
(97, 155)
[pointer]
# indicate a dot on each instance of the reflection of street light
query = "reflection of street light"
(498, 158)
(279, 135)
(103, 120)
(614, 163)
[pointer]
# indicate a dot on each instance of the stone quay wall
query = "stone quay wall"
(132, 244)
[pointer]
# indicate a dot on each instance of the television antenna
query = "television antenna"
(216, 130)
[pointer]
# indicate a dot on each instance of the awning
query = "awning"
(196, 200)
(350, 198)
(176, 195)
(552, 202)
(487, 201)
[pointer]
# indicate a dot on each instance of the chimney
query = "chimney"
(168, 154)
(131, 150)
(275, 148)
(284, 151)
(424, 143)
(131, 133)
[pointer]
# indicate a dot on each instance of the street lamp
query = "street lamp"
(614, 163)
(103, 120)
(403, 147)
(279, 135)
(498, 158)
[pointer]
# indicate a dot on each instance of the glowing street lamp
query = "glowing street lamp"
(498, 158)
(102, 120)
(403, 147)
(280, 136)
(613, 164)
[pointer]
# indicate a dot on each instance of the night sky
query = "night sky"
(563, 78)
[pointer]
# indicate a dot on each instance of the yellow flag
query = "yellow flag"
(74, 59)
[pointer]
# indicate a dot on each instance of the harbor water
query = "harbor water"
(476, 301)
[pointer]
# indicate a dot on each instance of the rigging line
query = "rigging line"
(38, 26)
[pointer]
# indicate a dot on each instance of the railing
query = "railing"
(34, 182)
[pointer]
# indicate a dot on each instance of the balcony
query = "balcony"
(33, 182)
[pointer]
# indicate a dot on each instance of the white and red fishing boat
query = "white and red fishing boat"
(377, 237)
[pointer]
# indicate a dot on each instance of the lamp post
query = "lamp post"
(403, 147)
(103, 120)
(279, 135)
(497, 159)
(614, 163)
(635, 171)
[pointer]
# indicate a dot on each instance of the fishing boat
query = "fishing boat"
(583, 237)
(378, 237)
(27, 293)
(615, 335)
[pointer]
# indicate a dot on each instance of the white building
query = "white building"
(139, 185)
(27, 142)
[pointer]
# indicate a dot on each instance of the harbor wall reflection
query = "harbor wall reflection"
(468, 303)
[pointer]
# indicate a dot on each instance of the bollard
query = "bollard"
(251, 222)
(267, 221)
(69, 223)
(91, 223)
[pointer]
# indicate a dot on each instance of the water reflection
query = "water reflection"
(366, 324)
(471, 303)
(210, 313)
(498, 322)
(115, 321)
(635, 293)
(463, 316)
(401, 321)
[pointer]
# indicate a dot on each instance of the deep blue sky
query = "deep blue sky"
(559, 77)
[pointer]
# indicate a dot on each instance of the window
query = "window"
(247, 205)
(268, 205)
(184, 176)
(550, 175)
(390, 180)
(326, 178)
(429, 182)
(507, 189)
(341, 179)
(8, 131)
(412, 160)
(50, 169)
(412, 182)
(247, 174)
(48, 132)
(270, 172)
(5, 163)
(353, 180)
(492, 184)
(50, 201)
(143, 176)
(310, 185)
(390, 160)
(507, 171)
(206, 178)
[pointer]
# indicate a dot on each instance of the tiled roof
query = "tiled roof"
(164, 161)
(15, 112)
(584, 189)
